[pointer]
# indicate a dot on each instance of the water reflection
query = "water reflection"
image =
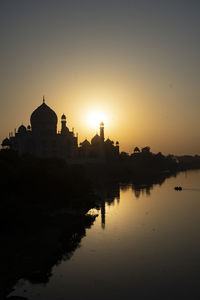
(138, 190)
(147, 248)
(109, 192)
(141, 188)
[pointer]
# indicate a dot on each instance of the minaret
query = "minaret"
(102, 131)
(63, 124)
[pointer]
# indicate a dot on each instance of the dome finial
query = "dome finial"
(43, 99)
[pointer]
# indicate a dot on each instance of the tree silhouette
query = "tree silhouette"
(146, 149)
(136, 150)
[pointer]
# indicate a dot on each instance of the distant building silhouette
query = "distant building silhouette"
(42, 139)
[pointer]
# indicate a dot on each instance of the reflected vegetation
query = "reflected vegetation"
(108, 192)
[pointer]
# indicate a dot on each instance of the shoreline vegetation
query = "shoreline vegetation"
(44, 205)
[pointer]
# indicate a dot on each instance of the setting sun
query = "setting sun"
(95, 117)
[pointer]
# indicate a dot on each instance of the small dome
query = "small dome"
(85, 143)
(63, 117)
(96, 139)
(5, 142)
(108, 141)
(101, 124)
(136, 149)
(43, 115)
(22, 129)
(117, 143)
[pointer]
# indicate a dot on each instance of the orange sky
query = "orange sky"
(136, 63)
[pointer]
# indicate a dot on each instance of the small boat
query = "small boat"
(178, 188)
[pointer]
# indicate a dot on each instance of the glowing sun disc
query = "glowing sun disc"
(95, 117)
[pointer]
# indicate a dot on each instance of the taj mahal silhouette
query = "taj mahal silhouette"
(42, 139)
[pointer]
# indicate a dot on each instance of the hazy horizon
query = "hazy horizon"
(137, 62)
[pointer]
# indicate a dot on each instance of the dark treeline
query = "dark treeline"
(22, 173)
(189, 162)
(47, 184)
(145, 162)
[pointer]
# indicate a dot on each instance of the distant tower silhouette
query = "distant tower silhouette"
(102, 131)
(63, 123)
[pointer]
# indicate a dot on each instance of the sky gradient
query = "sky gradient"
(137, 61)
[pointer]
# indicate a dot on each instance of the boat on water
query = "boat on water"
(178, 188)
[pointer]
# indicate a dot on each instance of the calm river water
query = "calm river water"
(145, 244)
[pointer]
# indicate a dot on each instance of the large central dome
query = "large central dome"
(44, 119)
